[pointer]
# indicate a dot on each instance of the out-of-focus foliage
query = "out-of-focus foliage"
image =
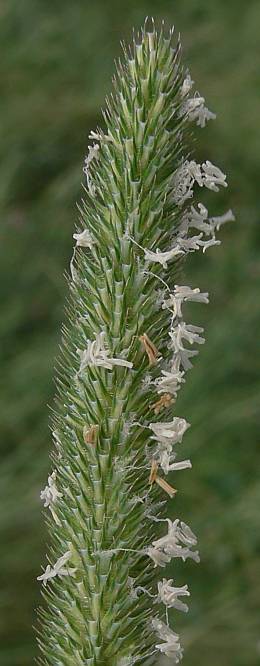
(55, 68)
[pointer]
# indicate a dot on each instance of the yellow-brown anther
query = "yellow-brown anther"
(166, 486)
(154, 478)
(164, 401)
(90, 434)
(153, 472)
(152, 352)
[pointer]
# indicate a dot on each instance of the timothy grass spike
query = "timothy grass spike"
(115, 396)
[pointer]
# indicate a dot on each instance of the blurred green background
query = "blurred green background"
(56, 63)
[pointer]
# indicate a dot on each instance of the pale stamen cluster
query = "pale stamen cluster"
(179, 542)
(171, 646)
(93, 154)
(59, 569)
(96, 354)
(50, 494)
(184, 179)
(194, 107)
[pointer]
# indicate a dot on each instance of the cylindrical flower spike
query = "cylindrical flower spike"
(125, 352)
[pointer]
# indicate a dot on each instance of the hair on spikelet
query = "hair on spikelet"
(125, 352)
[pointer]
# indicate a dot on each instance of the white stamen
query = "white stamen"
(159, 558)
(181, 295)
(188, 173)
(184, 179)
(181, 358)
(169, 382)
(190, 244)
(177, 543)
(165, 455)
(171, 646)
(213, 177)
(222, 219)
(182, 331)
(157, 256)
(171, 431)
(196, 110)
(93, 154)
(84, 239)
(97, 355)
(163, 257)
(210, 243)
(95, 135)
(168, 595)
(195, 219)
(59, 569)
(50, 494)
(194, 171)
(187, 85)
(175, 467)
(203, 114)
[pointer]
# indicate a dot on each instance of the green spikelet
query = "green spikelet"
(123, 359)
